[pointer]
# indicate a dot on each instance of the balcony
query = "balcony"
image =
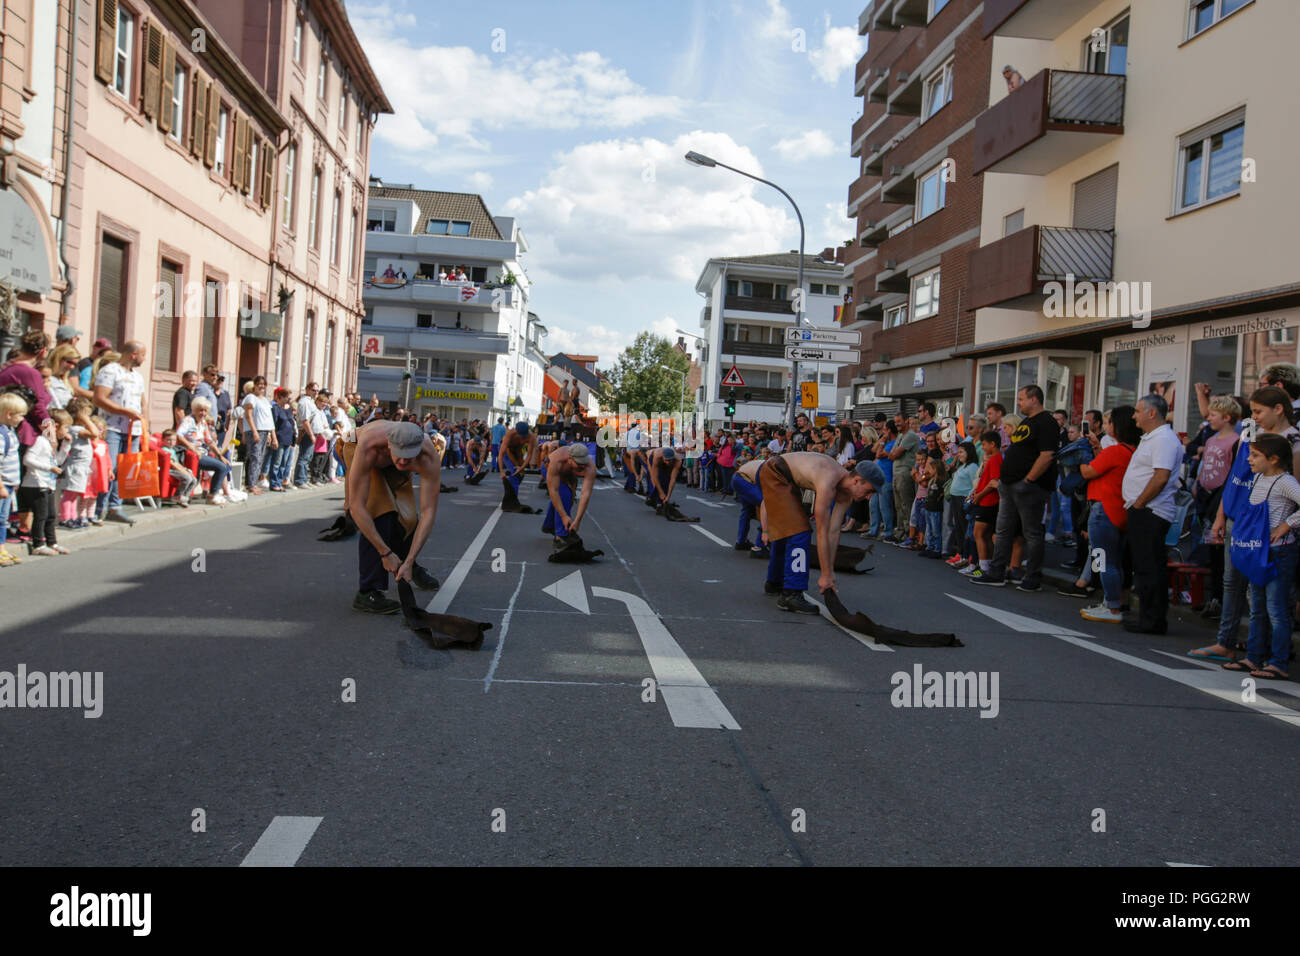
(864, 19)
(877, 17)
(433, 292)
(436, 248)
(388, 382)
(899, 186)
(860, 75)
(1010, 273)
(910, 13)
(857, 190)
(1033, 19)
(743, 303)
(468, 341)
(1052, 120)
(906, 98)
(763, 394)
(757, 349)
(878, 86)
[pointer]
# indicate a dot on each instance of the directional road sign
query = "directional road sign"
(802, 353)
(821, 337)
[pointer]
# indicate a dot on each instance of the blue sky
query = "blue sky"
(574, 116)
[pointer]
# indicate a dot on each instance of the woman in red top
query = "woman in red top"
(1107, 520)
(985, 499)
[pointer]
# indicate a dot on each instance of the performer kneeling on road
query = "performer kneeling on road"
(475, 456)
(516, 448)
(566, 466)
(663, 465)
(782, 479)
(382, 504)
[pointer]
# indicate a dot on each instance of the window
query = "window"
(382, 220)
(353, 245)
(895, 316)
(437, 227)
(320, 78)
(178, 104)
(278, 375)
(251, 179)
(110, 314)
(167, 302)
(1206, 13)
(827, 378)
(1121, 378)
(343, 111)
(936, 6)
(925, 295)
(833, 290)
(327, 373)
(460, 229)
(931, 192)
(297, 41)
(313, 211)
(306, 346)
(1281, 336)
(361, 125)
(211, 322)
(1000, 381)
(1209, 163)
(223, 122)
(1013, 223)
(938, 91)
(733, 287)
(334, 229)
(816, 288)
(122, 63)
(423, 320)
(290, 166)
(1111, 54)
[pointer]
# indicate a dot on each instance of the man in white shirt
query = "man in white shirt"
(321, 425)
(632, 459)
(260, 422)
(119, 392)
(306, 436)
(1149, 486)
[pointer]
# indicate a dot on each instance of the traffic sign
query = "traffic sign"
(808, 394)
(822, 337)
(733, 377)
(800, 353)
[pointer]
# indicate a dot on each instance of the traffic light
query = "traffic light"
(731, 402)
(748, 396)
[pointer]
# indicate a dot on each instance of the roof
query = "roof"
(788, 260)
(335, 16)
(578, 371)
(439, 205)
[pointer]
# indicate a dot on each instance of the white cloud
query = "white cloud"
(634, 209)
(840, 50)
(481, 181)
(603, 341)
(813, 144)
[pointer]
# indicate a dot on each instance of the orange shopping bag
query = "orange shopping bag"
(137, 474)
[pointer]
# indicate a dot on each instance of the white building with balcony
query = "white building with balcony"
(470, 345)
(749, 307)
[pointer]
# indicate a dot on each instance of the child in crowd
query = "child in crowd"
(76, 470)
(936, 476)
(101, 475)
(984, 500)
(43, 463)
(12, 410)
(185, 479)
(1217, 454)
(916, 518)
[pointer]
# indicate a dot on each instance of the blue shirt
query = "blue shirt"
(498, 434)
(885, 464)
(285, 428)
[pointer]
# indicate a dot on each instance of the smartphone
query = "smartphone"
(1083, 427)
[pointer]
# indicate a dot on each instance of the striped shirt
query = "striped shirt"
(1283, 495)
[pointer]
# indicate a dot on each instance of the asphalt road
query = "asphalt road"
(223, 692)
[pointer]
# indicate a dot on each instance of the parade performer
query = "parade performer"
(516, 448)
(662, 466)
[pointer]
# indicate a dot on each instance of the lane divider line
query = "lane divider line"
(283, 841)
(710, 535)
(505, 628)
(442, 600)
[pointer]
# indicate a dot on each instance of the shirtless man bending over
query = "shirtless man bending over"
(566, 466)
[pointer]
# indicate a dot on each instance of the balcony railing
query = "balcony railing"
(1010, 273)
(752, 304)
(465, 295)
(441, 339)
(762, 394)
(759, 349)
(1052, 120)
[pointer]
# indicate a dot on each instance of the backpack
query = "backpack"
(1068, 459)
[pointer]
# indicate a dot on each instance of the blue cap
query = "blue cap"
(522, 428)
(870, 471)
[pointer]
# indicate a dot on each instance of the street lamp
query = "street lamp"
(699, 159)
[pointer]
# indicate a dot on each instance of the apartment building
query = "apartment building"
(470, 346)
(749, 308)
(34, 109)
(917, 201)
(1138, 213)
(192, 139)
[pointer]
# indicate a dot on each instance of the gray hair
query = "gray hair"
(1157, 404)
(200, 403)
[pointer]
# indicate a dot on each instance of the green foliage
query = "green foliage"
(638, 381)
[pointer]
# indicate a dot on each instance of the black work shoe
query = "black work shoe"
(423, 579)
(795, 601)
(742, 546)
(374, 602)
(770, 588)
(1073, 590)
(1015, 574)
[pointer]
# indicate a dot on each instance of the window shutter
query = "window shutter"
(152, 69)
(198, 114)
(268, 173)
(237, 167)
(168, 88)
(106, 52)
(165, 325)
(213, 113)
(1094, 200)
(112, 268)
(248, 158)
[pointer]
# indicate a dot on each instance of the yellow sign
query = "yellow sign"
(821, 421)
(447, 393)
(809, 394)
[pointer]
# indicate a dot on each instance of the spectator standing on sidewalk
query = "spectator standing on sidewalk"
(260, 428)
(182, 397)
(1027, 481)
(306, 435)
(285, 433)
(903, 456)
(1148, 489)
(12, 410)
(995, 412)
(1107, 519)
(119, 391)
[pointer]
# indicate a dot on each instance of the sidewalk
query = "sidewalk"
(151, 520)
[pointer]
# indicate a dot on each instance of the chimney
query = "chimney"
(794, 252)
(681, 343)
(828, 254)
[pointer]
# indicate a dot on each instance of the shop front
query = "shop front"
(1065, 376)
(946, 383)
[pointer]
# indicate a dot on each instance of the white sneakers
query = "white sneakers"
(264, 483)
(237, 495)
(219, 499)
(1101, 613)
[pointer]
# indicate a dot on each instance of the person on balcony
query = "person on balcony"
(1013, 78)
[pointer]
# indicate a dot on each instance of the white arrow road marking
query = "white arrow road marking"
(691, 701)
(710, 535)
(705, 501)
(1026, 625)
(1281, 686)
(1200, 865)
(870, 645)
(282, 842)
(442, 600)
(571, 591)
(1224, 685)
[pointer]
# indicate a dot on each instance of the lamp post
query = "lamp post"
(699, 159)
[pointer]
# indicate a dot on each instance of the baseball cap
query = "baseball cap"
(522, 428)
(102, 343)
(405, 439)
(578, 453)
(870, 471)
(67, 333)
(669, 453)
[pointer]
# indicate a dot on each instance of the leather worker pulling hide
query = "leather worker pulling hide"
(517, 449)
(381, 501)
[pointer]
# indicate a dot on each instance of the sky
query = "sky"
(574, 118)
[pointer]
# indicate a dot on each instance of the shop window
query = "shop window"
(1121, 378)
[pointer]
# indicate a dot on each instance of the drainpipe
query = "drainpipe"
(67, 160)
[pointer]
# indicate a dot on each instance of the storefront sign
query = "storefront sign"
(372, 345)
(22, 251)
(1151, 340)
(1245, 325)
(448, 393)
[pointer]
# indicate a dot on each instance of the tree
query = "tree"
(638, 381)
